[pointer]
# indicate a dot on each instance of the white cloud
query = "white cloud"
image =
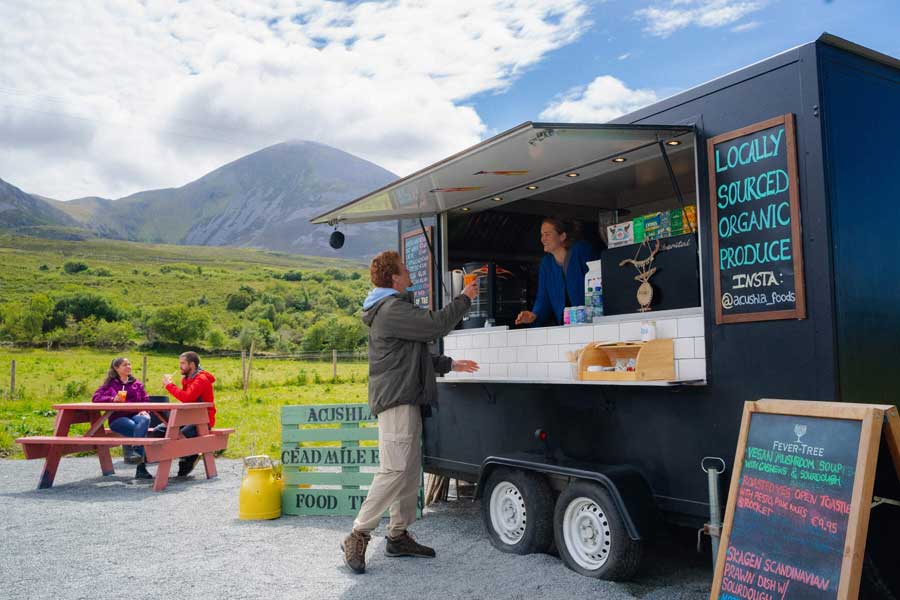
(625, 56)
(602, 100)
(749, 26)
(664, 20)
(110, 98)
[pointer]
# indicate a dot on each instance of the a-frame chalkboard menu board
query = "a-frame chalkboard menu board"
(416, 256)
(801, 491)
(755, 214)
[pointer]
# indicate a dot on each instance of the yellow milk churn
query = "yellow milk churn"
(260, 496)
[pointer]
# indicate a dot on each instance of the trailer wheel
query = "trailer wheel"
(517, 511)
(591, 536)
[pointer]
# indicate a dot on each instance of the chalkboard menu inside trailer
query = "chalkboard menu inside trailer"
(755, 215)
(798, 505)
(417, 257)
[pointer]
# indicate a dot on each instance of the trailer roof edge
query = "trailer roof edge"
(765, 64)
(844, 44)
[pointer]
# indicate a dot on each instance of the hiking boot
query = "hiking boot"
(132, 455)
(354, 549)
(142, 472)
(187, 464)
(405, 545)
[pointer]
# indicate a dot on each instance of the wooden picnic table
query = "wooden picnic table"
(98, 438)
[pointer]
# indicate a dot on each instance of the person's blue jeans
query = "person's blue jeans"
(135, 426)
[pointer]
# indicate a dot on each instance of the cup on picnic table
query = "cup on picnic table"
(120, 396)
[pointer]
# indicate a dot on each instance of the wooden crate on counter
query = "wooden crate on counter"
(654, 361)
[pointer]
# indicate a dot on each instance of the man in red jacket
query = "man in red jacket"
(196, 386)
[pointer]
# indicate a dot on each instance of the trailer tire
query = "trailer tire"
(591, 535)
(517, 511)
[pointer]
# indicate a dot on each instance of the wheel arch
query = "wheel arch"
(626, 486)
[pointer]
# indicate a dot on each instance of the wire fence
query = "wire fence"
(334, 358)
(343, 356)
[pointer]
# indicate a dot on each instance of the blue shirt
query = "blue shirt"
(553, 283)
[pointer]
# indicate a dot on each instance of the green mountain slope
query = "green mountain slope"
(263, 200)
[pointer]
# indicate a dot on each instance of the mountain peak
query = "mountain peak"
(262, 200)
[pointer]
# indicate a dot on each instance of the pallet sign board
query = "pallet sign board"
(801, 491)
(306, 432)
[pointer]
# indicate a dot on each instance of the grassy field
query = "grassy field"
(45, 378)
(148, 276)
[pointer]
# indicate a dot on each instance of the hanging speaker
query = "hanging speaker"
(336, 240)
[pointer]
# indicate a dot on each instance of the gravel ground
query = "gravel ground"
(112, 537)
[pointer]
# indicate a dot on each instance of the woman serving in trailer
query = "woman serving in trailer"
(561, 276)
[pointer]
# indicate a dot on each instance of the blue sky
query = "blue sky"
(110, 98)
(687, 57)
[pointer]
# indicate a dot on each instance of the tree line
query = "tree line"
(299, 311)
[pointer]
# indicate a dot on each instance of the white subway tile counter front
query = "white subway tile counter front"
(540, 354)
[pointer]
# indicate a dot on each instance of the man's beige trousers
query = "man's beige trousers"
(396, 484)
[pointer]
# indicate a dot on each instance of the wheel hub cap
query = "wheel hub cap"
(508, 515)
(586, 533)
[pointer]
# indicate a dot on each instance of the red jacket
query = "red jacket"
(198, 388)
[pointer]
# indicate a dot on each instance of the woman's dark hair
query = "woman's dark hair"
(571, 229)
(112, 375)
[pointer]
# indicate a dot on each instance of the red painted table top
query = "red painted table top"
(133, 406)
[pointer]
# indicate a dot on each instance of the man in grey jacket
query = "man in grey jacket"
(401, 386)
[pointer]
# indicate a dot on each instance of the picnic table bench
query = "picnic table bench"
(100, 439)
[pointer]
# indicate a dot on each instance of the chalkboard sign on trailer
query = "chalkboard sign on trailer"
(755, 213)
(799, 502)
(417, 258)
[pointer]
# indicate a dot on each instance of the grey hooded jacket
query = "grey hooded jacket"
(401, 369)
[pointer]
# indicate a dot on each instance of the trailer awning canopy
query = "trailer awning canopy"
(501, 169)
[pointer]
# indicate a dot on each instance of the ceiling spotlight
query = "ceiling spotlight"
(497, 198)
(531, 187)
(673, 143)
(465, 209)
(571, 174)
(619, 159)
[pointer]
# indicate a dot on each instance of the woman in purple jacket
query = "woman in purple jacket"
(126, 423)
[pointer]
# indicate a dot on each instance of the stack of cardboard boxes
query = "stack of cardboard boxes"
(653, 226)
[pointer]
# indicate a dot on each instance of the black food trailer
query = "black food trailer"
(761, 209)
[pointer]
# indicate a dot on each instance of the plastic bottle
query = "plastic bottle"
(588, 301)
(593, 291)
(597, 308)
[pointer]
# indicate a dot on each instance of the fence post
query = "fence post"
(250, 363)
(12, 379)
(334, 364)
(244, 369)
(144, 372)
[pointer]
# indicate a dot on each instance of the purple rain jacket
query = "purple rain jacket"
(135, 392)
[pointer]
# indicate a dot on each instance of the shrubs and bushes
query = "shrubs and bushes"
(74, 266)
(316, 311)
